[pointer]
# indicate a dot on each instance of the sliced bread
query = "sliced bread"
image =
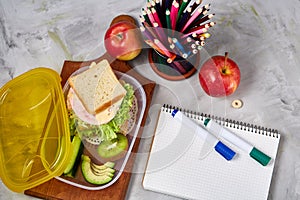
(98, 87)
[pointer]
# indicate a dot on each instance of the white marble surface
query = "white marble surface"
(261, 36)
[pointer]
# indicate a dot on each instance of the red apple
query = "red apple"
(123, 40)
(219, 76)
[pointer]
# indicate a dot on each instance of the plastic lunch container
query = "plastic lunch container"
(140, 95)
(35, 143)
(34, 134)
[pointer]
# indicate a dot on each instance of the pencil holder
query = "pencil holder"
(178, 69)
(176, 30)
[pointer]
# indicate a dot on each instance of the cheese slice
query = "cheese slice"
(103, 117)
(109, 113)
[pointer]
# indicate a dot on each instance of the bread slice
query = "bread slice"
(109, 113)
(73, 103)
(98, 87)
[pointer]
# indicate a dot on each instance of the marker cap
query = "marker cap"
(174, 112)
(225, 151)
(260, 156)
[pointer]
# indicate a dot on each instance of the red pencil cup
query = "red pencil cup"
(178, 69)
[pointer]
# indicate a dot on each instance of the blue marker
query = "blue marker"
(221, 148)
(256, 154)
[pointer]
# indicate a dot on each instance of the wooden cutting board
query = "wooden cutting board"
(55, 189)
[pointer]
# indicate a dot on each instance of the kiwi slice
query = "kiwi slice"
(114, 149)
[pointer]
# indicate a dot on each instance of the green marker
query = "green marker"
(256, 154)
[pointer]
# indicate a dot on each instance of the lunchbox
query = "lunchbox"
(34, 134)
(35, 141)
(120, 165)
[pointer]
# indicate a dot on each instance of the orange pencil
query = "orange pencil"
(154, 46)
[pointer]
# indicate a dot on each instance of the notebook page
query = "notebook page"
(175, 167)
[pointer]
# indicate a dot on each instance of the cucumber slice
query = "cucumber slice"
(77, 149)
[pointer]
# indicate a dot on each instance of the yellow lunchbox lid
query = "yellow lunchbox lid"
(34, 132)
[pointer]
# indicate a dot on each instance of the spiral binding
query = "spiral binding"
(225, 122)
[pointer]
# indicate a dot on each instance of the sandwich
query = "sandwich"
(99, 104)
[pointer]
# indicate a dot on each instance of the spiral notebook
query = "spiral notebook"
(176, 165)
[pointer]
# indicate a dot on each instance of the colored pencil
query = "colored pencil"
(203, 30)
(179, 45)
(175, 48)
(160, 12)
(181, 9)
(146, 33)
(207, 25)
(186, 40)
(149, 28)
(160, 32)
(196, 5)
(206, 35)
(168, 4)
(184, 19)
(179, 67)
(154, 46)
(191, 19)
(145, 15)
(156, 17)
(168, 19)
(176, 28)
(151, 17)
(204, 19)
(164, 49)
(148, 5)
(152, 2)
(190, 4)
(142, 19)
(205, 10)
(174, 13)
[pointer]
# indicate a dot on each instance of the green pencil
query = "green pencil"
(181, 9)
(168, 19)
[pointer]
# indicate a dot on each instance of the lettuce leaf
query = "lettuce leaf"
(105, 131)
(123, 113)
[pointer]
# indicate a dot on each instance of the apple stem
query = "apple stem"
(225, 63)
(226, 57)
